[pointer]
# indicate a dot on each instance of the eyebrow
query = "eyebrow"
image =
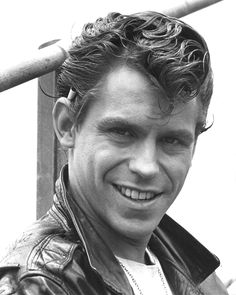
(109, 122)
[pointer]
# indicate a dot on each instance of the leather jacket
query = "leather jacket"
(62, 253)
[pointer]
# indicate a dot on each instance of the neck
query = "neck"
(123, 245)
(130, 250)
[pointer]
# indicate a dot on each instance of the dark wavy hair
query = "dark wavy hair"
(172, 54)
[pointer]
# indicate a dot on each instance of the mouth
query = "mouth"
(136, 195)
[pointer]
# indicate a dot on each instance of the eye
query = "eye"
(171, 140)
(120, 131)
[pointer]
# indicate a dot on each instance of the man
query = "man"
(135, 93)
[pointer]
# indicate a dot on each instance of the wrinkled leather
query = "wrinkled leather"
(62, 253)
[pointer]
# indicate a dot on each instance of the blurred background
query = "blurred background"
(206, 206)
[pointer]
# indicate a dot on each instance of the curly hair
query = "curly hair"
(172, 54)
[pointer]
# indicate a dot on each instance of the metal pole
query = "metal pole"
(50, 58)
(187, 7)
(42, 62)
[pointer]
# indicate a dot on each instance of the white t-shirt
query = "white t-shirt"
(149, 279)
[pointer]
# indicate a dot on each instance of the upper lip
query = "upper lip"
(142, 190)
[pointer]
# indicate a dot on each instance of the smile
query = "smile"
(135, 194)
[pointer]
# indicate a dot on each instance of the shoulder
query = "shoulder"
(40, 254)
(212, 285)
(43, 235)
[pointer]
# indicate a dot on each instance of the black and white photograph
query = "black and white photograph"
(118, 147)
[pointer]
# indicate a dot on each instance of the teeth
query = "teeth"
(142, 196)
(150, 195)
(134, 194)
(128, 192)
(122, 190)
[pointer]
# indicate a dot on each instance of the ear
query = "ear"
(62, 123)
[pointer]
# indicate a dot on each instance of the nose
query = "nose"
(144, 161)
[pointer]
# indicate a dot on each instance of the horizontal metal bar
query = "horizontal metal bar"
(42, 62)
(187, 7)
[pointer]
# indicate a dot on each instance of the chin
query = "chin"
(138, 230)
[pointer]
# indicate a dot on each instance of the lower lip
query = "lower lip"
(138, 200)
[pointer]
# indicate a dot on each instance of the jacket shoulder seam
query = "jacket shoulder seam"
(60, 259)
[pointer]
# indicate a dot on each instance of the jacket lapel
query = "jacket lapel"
(185, 261)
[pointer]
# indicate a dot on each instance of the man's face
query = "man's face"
(129, 161)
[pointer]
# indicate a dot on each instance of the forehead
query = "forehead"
(126, 92)
(129, 85)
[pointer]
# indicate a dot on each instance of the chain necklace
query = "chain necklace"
(162, 281)
(132, 278)
(136, 284)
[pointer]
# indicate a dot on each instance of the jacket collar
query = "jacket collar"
(179, 253)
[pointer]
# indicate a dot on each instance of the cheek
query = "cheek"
(177, 170)
(103, 161)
